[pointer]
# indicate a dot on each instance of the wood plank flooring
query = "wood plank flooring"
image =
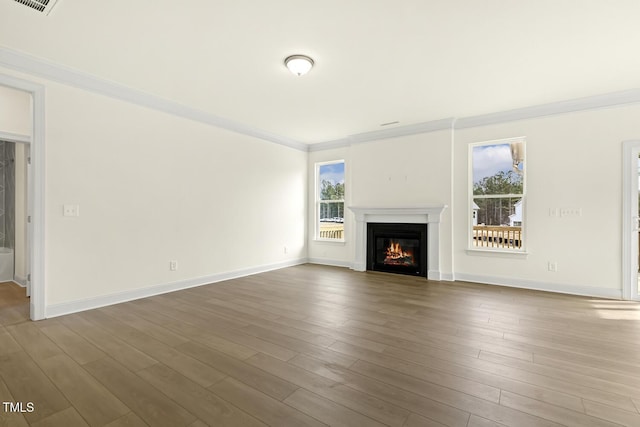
(313, 345)
(14, 304)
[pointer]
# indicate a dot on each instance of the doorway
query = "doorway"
(14, 212)
(34, 258)
(631, 220)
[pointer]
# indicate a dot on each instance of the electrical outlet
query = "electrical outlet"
(564, 212)
(286, 250)
(552, 266)
(173, 265)
(71, 210)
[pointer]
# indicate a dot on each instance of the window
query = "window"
(330, 200)
(497, 194)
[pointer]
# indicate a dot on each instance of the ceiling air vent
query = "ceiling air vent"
(43, 6)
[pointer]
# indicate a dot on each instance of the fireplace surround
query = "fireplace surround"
(429, 215)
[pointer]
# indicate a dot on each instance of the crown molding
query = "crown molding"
(42, 68)
(406, 130)
(39, 67)
(613, 99)
(330, 145)
(361, 138)
(551, 109)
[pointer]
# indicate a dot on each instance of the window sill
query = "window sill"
(497, 253)
(330, 241)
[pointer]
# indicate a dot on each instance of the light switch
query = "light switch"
(71, 210)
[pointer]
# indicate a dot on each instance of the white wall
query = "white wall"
(15, 111)
(405, 171)
(573, 161)
(153, 187)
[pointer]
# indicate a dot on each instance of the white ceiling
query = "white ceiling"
(377, 61)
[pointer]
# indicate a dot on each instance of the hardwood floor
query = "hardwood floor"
(313, 345)
(14, 304)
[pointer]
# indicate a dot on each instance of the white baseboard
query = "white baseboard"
(330, 262)
(20, 281)
(55, 310)
(76, 306)
(587, 291)
(447, 277)
(433, 275)
(358, 266)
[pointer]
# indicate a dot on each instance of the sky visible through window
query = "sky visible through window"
(488, 160)
(334, 172)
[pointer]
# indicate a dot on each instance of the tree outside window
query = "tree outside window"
(330, 200)
(498, 195)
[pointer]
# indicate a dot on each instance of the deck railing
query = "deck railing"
(494, 236)
(331, 234)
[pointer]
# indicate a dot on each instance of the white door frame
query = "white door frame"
(26, 141)
(630, 220)
(36, 192)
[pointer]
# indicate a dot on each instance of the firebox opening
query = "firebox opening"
(397, 248)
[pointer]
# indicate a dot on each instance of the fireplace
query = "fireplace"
(397, 248)
(429, 215)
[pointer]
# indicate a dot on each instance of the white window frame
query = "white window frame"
(471, 248)
(317, 202)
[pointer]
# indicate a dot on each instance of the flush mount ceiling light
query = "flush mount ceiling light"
(299, 64)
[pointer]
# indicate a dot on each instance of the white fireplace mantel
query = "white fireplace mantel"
(429, 215)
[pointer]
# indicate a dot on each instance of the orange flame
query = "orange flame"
(395, 252)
